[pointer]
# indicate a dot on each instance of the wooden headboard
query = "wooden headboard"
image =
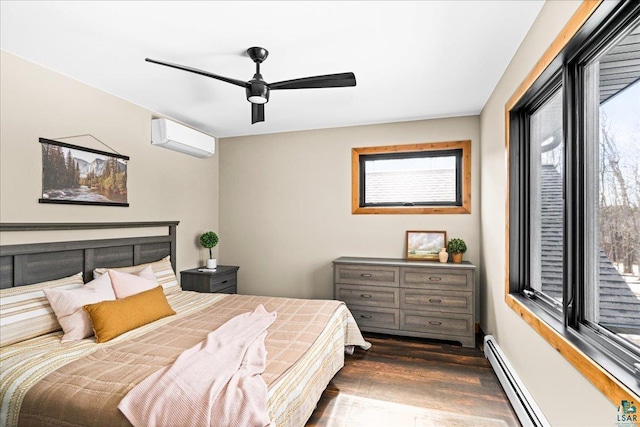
(26, 264)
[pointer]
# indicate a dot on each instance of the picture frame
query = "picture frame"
(82, 176)
(425, 245)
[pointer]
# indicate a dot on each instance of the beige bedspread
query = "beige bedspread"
(216, 383)
(83, 385)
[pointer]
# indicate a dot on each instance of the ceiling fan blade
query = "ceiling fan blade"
(257, 113)
(201, 72)
(329, 80)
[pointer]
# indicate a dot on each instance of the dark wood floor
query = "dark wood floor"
(407, 382)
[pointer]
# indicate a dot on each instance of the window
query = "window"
(574, 197)
(546, 199)
(612, 208)
(417, 178)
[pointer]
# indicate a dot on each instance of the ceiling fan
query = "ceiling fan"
(258, 90)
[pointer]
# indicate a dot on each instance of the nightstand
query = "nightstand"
(222, 281)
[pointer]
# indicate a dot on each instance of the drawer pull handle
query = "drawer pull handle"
(365, 295)
(435, 279)
(365, 275)
(433, 322)
(365, 316)
(435, 300)
(225, 281)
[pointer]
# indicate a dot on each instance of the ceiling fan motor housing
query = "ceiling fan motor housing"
(257, 90)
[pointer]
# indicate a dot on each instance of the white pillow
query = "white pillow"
(162, 269)
(125, 284)
(68, 306)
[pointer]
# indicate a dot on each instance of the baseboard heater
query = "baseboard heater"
(523, 404)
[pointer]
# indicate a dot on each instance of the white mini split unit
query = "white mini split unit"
(177, 137)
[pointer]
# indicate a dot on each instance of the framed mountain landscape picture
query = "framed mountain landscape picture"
(82, 176)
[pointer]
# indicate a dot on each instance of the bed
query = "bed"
(46, 382)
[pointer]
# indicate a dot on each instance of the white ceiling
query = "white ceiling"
(412, 60)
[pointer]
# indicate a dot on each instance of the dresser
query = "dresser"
(223, 281)
(411, 298)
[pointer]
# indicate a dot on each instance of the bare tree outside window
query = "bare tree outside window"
(615, 198)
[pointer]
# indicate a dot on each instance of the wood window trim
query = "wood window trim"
(465, 146)
(608, 385)
(613, 389)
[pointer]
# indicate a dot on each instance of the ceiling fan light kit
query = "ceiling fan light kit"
(258, 90)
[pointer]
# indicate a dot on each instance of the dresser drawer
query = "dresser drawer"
(218, 283)
(231, 290)
(440, 324)
(436, 278)
(436, 300)
(370, 296)
(367, 275)
(375, 317)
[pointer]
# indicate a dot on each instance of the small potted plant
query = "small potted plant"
(209, 240)
(456, 248)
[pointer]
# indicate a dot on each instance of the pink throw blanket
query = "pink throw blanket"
(215, 383)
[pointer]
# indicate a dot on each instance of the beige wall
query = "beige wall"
(285, 205)
(564, 395)
(163, 185)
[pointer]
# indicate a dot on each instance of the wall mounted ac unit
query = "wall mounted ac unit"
(177, 137)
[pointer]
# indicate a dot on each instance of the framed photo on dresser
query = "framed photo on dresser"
(425, 245)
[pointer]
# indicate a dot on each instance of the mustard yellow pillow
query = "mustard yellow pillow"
(113, 318)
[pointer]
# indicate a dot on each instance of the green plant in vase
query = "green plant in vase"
(456, 247)
(209, 240)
